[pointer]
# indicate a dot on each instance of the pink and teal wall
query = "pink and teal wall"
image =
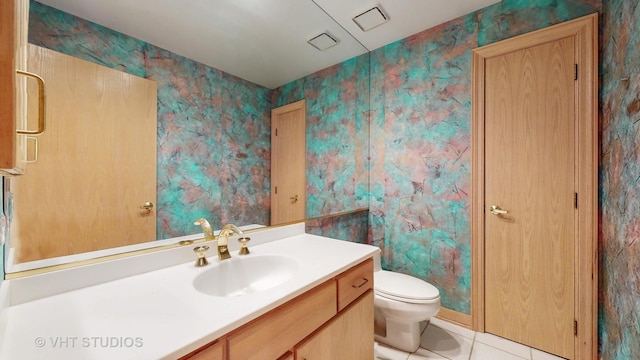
(419, 167)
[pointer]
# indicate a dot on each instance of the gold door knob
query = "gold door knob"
(294, 198)
(147, 206)
(496, 210)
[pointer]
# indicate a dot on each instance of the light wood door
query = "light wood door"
(529, 161)
(348, 336)
(288, 163)
(96, 161)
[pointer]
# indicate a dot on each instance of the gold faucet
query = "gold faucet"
(223, 240)
(206, 228)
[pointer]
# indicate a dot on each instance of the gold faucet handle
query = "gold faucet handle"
(201, 251)
(244, 250)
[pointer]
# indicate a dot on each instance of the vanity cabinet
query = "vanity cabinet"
(334, 320)
(14, 15)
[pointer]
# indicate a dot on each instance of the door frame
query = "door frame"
(585, 31)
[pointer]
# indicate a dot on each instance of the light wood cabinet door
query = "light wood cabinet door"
(348, 336)
(13, 46)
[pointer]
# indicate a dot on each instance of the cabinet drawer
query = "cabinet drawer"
(354, 282)
(214, 351)
(276, 332)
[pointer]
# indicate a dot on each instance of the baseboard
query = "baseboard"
(455, 317)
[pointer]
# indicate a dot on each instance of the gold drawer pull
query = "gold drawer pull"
(365, 280)
(41, 104)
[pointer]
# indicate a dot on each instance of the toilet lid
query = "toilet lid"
(403, 286)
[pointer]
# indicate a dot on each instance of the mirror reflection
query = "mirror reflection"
(213, 142)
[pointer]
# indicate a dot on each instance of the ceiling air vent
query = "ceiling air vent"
(324, 41)
(371, 18)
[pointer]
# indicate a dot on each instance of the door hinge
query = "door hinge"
(575, 200)
(575, 72)
(575, 327)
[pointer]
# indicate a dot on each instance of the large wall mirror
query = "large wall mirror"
(213, 121)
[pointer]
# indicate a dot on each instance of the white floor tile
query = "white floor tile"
(485, 352)
(423, 354)
(444, 340)
(541, 355)
(384, 352)
(447, 344)
(453, 328)
(509, 346)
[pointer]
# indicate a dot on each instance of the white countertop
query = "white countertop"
(159, 314)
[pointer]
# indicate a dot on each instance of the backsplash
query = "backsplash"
(421, 141)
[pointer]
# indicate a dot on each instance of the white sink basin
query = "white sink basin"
(242, 275)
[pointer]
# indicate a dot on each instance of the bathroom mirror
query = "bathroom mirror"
(213, 135)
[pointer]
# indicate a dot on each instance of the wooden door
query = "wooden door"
(529, 161)
(348, 336)
(288, 163)
(96, 162)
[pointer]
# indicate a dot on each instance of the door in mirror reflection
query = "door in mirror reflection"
(97, 117)
(288, 163)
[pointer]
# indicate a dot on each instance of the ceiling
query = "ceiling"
(265, 41)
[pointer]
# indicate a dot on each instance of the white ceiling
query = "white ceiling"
(265, 41)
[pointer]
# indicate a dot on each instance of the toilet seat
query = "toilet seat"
(405, 288)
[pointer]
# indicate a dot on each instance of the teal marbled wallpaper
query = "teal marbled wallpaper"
(619, 315)
(421, 140)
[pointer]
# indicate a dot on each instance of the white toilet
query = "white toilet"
(401, 302)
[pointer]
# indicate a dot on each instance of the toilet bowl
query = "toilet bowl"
(401, 303)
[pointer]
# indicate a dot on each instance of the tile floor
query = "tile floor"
(443, 340)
